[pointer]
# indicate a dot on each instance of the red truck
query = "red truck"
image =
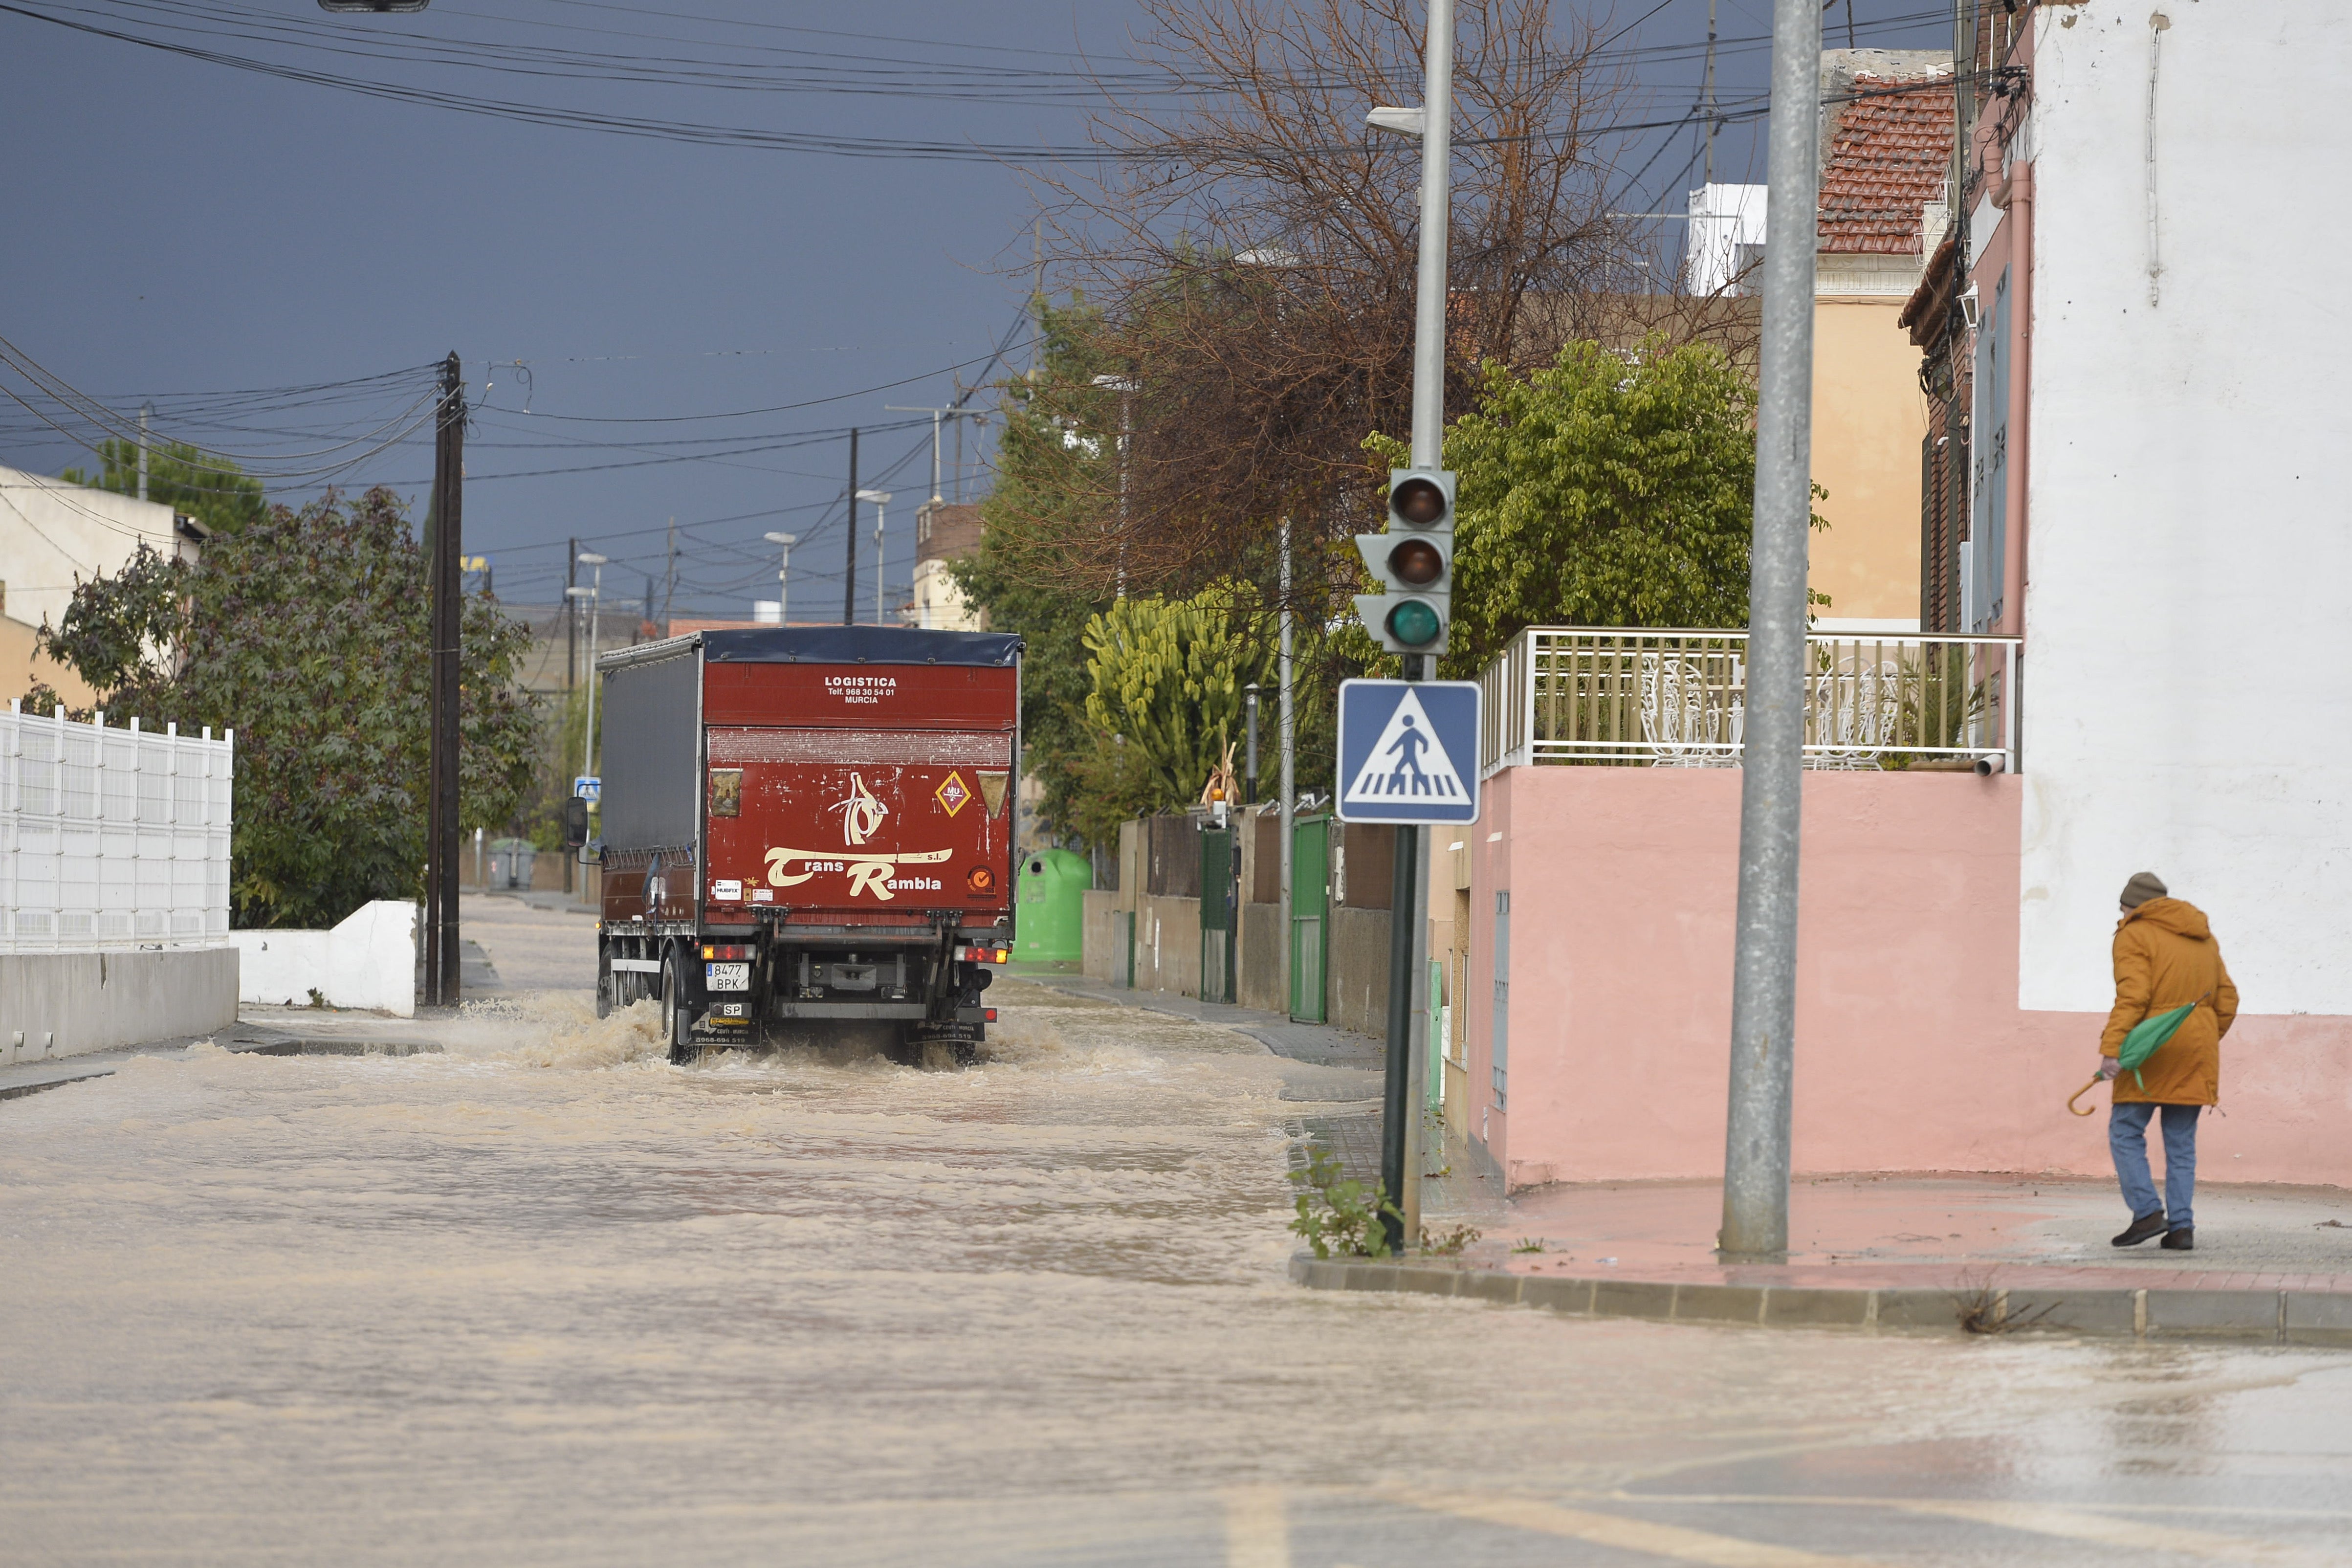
(809, 831)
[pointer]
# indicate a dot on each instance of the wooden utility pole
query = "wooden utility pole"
(447, 515)
(850, 575)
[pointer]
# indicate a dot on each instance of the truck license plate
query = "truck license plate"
(728, 976)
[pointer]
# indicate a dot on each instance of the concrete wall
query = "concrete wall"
(1358, 970)
(52, 534)
(1912, 1052)
(1168, 944)
(65, 1004)
(2187, 531)
(22, 663)
(1869, 416)
(1261, 982)
(1103, 907)
(369, 961)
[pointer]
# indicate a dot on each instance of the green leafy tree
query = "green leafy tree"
(1054, 469)
(186, 478)
(1167, 701)
(305, 631)
(1607, 489)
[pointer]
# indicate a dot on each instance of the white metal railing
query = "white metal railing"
(1679, 699)
(111, 838)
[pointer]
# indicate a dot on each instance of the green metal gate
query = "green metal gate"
(1310, 915)
(1218, 893)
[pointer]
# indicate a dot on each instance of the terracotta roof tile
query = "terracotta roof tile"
(1889, 156)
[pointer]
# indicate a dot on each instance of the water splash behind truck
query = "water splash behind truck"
(807, 832)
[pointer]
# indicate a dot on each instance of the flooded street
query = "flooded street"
(542, 1298)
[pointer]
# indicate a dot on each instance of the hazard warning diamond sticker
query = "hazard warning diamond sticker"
(953, 793)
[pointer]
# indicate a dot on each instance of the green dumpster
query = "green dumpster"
(1050, 907)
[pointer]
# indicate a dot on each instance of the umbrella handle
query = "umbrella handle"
(2081, 1092)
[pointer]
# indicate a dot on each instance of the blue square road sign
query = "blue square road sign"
(1408, 751)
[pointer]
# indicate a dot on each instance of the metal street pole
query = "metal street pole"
(594, 595)
(1764, 955)
(1249, 779)
(441, 815)
(881, 500)
(1401, 1101)
(1287, 739)
(785, 577)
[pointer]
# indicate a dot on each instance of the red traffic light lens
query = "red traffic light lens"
(1418, 502)
(1417, 561)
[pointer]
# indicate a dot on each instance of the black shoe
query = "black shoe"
(2140, 1229)
(2182, 1241)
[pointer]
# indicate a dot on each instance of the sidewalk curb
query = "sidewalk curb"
(2281, 1317)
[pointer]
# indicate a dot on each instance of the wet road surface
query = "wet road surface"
(544, 1299)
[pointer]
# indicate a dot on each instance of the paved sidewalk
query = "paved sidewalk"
(1317, 1043)
(1902, 1251)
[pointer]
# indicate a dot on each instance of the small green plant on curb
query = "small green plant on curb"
(1451, 1243)
(1526, 1244)
(1346, 1221)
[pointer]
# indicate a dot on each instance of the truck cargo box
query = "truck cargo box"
(805, 798)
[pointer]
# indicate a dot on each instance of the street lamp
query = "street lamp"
(784, 577)
(594, 594)
(881, 500)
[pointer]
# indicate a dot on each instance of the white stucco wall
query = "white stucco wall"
(369, 961)
(51, 531)
(2188, 703)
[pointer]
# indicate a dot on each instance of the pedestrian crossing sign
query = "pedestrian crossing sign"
(1409, 751)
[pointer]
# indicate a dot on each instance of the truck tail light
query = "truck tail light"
(980, 879)
(985, 955)
(725, 950)
(991, 1012)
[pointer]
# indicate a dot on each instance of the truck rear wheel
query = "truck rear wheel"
(678, 1017)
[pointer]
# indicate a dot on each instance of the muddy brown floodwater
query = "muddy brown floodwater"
(544, 1299)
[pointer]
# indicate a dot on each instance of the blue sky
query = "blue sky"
(185, 227)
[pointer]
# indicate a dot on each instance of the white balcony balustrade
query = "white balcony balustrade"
(1679, 699)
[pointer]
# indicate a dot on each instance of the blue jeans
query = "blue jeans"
(2127, 1140)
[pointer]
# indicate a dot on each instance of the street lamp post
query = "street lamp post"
(594, 594)
(784, 577)
(881, 500)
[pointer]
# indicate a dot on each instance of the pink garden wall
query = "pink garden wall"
(1911, 1053)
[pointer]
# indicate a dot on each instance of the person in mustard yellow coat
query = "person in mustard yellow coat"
(2166, 957)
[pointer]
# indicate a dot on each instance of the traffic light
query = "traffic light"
(1412, 563)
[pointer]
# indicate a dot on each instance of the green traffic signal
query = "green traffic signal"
(1415, 623)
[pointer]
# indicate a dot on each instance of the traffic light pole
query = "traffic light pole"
(1764, 954)
(447, 514)
(1399, 1102)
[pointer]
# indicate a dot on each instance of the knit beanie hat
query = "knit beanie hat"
(2144, 886)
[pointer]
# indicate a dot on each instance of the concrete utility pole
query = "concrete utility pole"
(1708, 94)
(446, 514)
(881, 500)
(146, 412)
(1764, 957)
(1401, 1103)
(784, 542)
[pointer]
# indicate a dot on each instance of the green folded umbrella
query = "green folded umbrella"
(2149, 1035)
